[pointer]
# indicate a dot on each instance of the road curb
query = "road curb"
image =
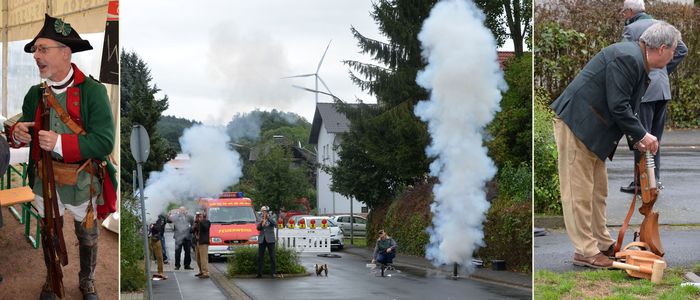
(229, 287)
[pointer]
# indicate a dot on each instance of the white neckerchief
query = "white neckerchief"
(52, 83)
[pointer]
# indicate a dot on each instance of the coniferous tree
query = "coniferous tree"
(140, 106)
(385, 147)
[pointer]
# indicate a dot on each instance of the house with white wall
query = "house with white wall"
(326, 134)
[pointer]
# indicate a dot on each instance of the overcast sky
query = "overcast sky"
(225, 57)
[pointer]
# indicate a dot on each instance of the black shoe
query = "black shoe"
(258, 276)
(629, 189)
(166, 262)
(177, 268)
(189, 268)
(47, 295)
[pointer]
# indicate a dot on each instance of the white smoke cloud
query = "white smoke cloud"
(248, 66)
(210, 169)
(465, 83)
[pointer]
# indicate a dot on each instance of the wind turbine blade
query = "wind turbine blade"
(324, 84)
(305, 88)
(324, 55)
(316, 91)
(303, 75)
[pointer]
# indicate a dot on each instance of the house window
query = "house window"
(365, 210)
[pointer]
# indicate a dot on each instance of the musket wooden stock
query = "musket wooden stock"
(649, 230)
(53, 239)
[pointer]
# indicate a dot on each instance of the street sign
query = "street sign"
(140, 144)
(140, 147)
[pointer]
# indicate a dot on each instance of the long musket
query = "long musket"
(53, 239)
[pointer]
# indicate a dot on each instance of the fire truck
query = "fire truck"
(233, 223)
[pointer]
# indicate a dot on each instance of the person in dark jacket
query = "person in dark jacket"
(384, 249)
(154, 243)
(593, 113)
(266, 239)
(652, 110)
(202, 236)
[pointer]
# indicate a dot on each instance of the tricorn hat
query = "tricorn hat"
(62, 32)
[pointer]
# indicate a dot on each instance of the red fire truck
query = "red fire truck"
(233, 222)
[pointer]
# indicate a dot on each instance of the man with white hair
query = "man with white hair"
(593, 113)
(633, 10)
(652, 111)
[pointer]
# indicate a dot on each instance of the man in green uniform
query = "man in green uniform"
(84, 105)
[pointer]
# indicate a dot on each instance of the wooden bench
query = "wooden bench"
(24, 196)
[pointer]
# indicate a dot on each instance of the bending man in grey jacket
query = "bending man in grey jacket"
(593, 113)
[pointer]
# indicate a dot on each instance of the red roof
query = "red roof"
(503, 56)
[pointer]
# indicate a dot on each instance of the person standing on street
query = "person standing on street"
(202, 229)
(182, 222)
(652, 110)
(266, 239)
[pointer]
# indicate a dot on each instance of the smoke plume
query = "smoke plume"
(210, 169)
(465, 84)
(249, 66)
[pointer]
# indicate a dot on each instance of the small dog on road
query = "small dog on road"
(321, 268)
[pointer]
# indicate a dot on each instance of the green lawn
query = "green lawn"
(612, 284)
(359, 242)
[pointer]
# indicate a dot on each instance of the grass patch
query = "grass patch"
(359, 242)
(611, 285)
(245, 262)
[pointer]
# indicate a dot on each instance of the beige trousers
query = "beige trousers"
(158, 251)
(203, 259)
(583, 182)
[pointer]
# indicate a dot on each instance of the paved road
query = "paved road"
(349, 278)
(679, 202)
(555, 252)
(182, 284)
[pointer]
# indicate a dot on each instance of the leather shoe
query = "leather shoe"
(629, 189)
(189, 268)
(610, 252)
(198, 274)
(258, 276)
(598, 261)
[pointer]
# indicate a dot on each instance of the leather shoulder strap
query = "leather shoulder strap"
(63, 115)
(621, 234)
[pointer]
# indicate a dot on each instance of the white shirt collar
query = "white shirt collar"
(52, 83)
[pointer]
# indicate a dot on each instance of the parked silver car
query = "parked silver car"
(359, 226)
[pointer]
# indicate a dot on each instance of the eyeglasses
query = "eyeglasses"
(43, 49)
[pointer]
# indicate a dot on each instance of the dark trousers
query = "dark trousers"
(162, 245)
(386, 258)
(652, 115)
(187, 246)
(261, 253)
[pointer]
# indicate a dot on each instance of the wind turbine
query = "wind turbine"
(318, 78)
